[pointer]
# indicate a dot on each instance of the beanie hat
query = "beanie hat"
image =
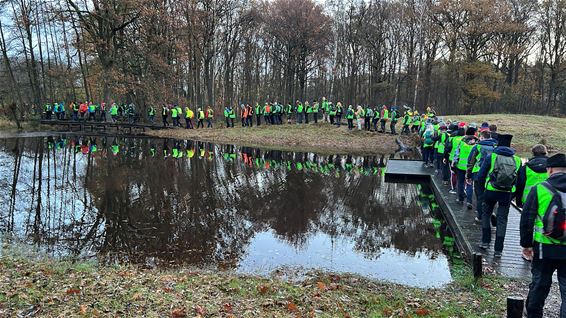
(556, 161)
(504, 140)
(484, 126)
(470, 131)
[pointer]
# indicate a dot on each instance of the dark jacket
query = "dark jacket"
(530, 212)
(486, 165)
(538, 165)
(472, 158)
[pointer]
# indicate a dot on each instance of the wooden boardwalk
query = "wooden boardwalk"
(461, 220)
(82, 125)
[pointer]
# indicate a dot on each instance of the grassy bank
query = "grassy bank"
(321, 138)
(526, 129)
(47, 288)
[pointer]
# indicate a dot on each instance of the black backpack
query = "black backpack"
(554, 219)
(504, 174)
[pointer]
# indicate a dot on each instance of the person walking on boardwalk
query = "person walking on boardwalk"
(428, 146)
(483, 149)
(175, 116)
(91, 111)
(406, 122)
(299, 111)
(164, 112)
(384, 117)
(151, 114)
(266, 113)
(308, 111)
(376, 117)
(440, 147)
(360, 116)
(209, 116)
(531, 173)
(394, 118)
(350, 117)
(367, 118)
(289, 112)
(499, 173)
(200, 118)
(543, 235)
(331, 112)
(339, 112)
(228, 116)
(189, 115)
(460, 163)
(325, 110)
(315, 110)
(258, 112)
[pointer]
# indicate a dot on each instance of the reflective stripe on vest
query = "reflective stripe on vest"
(532, 179)
(465, 150)
(488, 185)
(544, 197)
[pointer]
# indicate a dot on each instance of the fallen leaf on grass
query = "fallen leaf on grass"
(422, 312)
(82, 309)
(228, 308)
(73, 291)
(178, 313)
(262, 289)
(292, 307)
(199, 310)
(321, 286)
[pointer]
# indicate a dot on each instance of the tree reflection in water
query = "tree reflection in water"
(198, 203)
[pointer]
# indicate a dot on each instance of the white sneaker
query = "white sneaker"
(452, 192)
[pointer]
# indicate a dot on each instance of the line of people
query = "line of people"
(477, 161)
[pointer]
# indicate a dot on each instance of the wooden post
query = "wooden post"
(515, 306)
(477, 264)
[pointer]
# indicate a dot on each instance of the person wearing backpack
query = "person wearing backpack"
(480, 151)
(499, 174)
(428, 146)
(543, 235)
(464, 185)
(531, 174)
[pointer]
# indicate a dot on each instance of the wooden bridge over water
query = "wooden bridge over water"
(461, 220)
(102, 126)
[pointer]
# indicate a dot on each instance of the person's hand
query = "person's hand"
(469, 181)
(527, 253)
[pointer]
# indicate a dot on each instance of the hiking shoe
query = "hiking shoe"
(477, 221)
(470, 206)
(493, 220)
(460, 202)
(483, 246)
(497, 254)
(452, 192)
(445, 183)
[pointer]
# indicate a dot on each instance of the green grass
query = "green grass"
(527, 130)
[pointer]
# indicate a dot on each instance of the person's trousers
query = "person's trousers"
(464, 190)
(315, 118)
(375, 124)
(491, 198)
(209, 123)
(427, 154)
(258, 119)
(306, 118)
(383, 126)
(445, 168)
(360, 122)
(331, 118)
(299, 118)
(479, 189)
(350, 124)
(542, 271)
(338, 120)
(189, 123)
(367, 123)
(392, 127)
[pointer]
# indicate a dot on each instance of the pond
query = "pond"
(160, 202)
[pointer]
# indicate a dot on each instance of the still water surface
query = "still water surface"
(164, 202)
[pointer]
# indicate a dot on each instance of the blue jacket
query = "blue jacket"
(486, 165)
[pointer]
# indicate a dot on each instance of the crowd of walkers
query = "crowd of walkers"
(378, 118)
(479, 164)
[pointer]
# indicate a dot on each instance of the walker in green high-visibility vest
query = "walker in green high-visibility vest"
(455, 141)
(544, 197)
(489, 183)
(463, 155)
(440, 145)
(532, 179)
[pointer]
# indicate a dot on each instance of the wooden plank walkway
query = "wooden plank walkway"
(82, 125)
(461, 220)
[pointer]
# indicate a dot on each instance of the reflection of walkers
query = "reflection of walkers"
(543, 237)
(499, 172)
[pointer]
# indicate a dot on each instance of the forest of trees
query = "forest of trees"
(465, 56)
